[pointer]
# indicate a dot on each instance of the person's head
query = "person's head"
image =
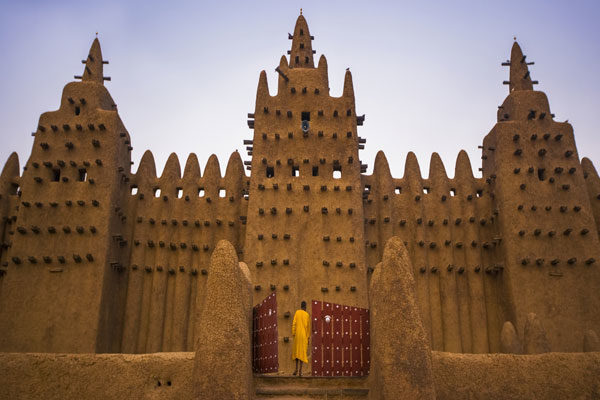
(303, 305)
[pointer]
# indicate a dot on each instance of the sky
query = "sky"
(184, 74)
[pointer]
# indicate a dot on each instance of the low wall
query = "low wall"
(509, 376)
(169, 376)
(96, 376)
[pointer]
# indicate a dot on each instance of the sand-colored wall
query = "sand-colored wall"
(450, 230)
(60, 292)
(304, 236)
(127, 376)
(173, 234)
(546, 217)
(506, 376)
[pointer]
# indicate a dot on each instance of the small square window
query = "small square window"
(179, 193)
(426, 190)
(55, 175)
(270, 172)
(134, 190)
(295, 170)
(82, 175)
(305, 115)
(315, 171)
(337, 171)
(222, 193)
(201, 192)
(398, 190)
(452, 192)
(156, 192)
(479, 193)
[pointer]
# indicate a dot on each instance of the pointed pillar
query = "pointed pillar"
(223, 361)
(301, 55)
(94, 65)
(519, 72)
(401, 356)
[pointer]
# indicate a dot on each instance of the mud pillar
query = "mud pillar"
(401, 357)
(509, 341)
(223, 362)
(534, 336)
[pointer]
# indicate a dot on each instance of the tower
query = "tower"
(64, 289)
(304, 237)
(549, 240)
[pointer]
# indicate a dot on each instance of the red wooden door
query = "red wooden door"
(340, 340)
(264, 336)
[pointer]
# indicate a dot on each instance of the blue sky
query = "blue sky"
(184, 73)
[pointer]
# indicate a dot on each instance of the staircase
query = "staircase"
(293, 387)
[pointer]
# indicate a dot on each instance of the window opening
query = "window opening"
(77, 110)
(305, 115)
(479, 193)
(452, 192)
(222, 193)
(297, 59)
(179, 193)
(398, 190)
(315, 171)
(301, 32)
(82, 175)
(156, 192)
(426, 190)
(337, 171)
(270, 172)
(134, 190)
(201, 192)
(541, 174)
(55, 175)
(367, 188)
(295, 170)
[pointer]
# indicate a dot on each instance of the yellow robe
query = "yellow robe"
(300, 331)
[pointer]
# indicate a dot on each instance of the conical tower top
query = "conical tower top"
(520, 78)
(301, 55)
(94, 65)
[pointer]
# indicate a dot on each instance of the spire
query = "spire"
(301, 55)
(519, 72)
(93, 71)
(348, 86)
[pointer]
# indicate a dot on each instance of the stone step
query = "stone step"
(292, 387)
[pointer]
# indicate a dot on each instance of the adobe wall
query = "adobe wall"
(507, 376)
(450, 230)
(169, 376)
(176, 223)
(60, 235)
(549, 234)
(304, 237)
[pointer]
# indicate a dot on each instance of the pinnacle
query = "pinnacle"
(301, 54)
(520, 78)
(94, 65)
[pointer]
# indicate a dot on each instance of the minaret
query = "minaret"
(549, 237)
(301, 54)
(304, 236)
(64, 286)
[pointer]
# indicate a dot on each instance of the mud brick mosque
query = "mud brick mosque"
(118, 284)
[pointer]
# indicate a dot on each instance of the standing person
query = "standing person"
(301, 332)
